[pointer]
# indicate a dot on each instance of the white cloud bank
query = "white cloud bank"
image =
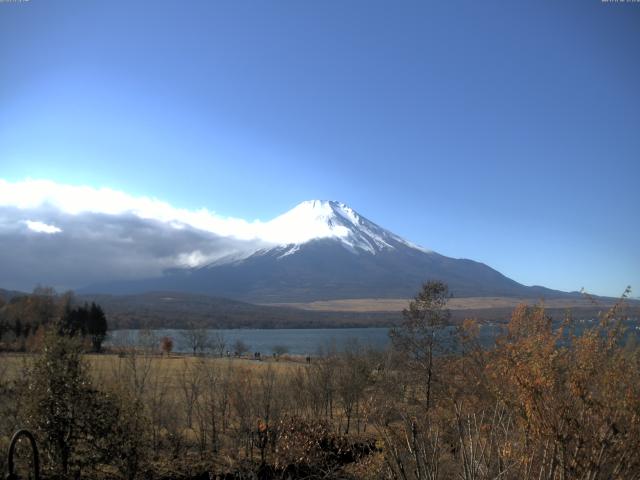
(306, 221)
(75, 200)
(72, 236)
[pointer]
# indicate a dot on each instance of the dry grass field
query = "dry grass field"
(469, 303)
(12, 365)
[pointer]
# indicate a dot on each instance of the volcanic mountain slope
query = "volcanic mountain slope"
(326, 250)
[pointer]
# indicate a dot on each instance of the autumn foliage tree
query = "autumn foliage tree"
(24, 318)
(166, 345)
(552, 399)
(575, 398)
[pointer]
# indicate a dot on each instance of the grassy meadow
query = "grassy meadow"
(101, 366)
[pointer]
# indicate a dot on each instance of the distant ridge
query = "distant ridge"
(7, 295)
(156, 310)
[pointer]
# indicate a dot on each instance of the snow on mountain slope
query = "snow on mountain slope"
(323, 250)
(321, 219)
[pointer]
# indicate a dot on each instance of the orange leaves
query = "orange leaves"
(470, 328)
(262, 426)
(578, 397)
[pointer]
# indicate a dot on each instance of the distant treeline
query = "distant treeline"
(157, 310)
(24, 319)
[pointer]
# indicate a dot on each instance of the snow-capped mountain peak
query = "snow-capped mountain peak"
(323, 219)
(322, 250)
(310, 220)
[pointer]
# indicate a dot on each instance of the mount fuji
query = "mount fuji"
(323, 250)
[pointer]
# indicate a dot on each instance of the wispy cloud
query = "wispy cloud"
(41, 227)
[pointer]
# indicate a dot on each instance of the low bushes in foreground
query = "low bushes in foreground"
(543, 403)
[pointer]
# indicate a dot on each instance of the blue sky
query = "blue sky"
(506, 132)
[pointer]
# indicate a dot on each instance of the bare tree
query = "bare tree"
(196, 339)
(242, 391)
(483, 441)
(299, 392)
(207, 403)
(217, 343)
(157, 401)
(135, 362)
(268, 405)
(224, 395)
(322, 384)
(280, 350)
(189, 385)
(413, 451)
(416, 337)
(352, 379)
(240, 347)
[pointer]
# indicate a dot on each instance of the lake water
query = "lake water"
(297, 341)
(302, 341)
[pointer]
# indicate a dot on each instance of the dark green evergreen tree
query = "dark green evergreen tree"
(96, 326)
(17, 328)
